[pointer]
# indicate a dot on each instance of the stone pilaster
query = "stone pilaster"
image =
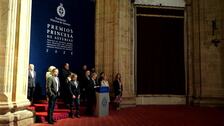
(188, 52)
(99, 36)
(125, 51)
(14, 59)
(114, 43)
(205, 68)
(212, 89)
(193, 50)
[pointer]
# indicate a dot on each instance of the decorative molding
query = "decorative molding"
(19, 118)
(161, 100)
(175, 3)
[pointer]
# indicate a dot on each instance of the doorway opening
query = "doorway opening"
(160, 50)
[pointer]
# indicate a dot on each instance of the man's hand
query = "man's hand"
(74, 97)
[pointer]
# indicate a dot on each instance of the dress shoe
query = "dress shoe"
(78, 116)
(71, 115)
(50, 122)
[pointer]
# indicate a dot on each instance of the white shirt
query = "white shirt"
(57, 83)
(32, 73)
(76, 84)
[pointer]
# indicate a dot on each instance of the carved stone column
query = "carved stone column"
(125, 51)
(193, 46)
(14, 59)
(114, 43)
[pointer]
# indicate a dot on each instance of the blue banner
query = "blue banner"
(62, 31)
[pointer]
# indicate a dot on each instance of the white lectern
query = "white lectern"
(102, 101)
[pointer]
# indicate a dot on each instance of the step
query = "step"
(32, 108)
(42, 107)
(41, 117)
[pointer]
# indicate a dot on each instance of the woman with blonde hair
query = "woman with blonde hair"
(49, 72)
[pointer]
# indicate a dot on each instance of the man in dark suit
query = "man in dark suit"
(31, 83)
(91, 95)
(53, 85)
(82, 79)
(64, 74)
(83, 85)
(74, 95)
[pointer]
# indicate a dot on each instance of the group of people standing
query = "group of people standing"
(73, 88)
(56, 86)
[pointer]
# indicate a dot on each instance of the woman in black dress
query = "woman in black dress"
(118, 88)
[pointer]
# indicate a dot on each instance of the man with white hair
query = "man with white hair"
(31, 83)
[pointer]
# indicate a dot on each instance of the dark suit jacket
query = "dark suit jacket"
(85, 82)
(52, 86)
(64, 74)
(31, 80)
(92, 84)
(73, 90)
(90, 90)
